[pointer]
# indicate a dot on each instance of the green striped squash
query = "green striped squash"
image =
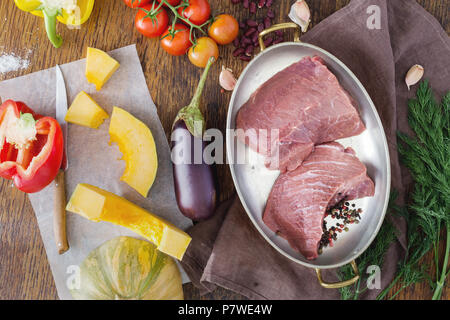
(128, 268)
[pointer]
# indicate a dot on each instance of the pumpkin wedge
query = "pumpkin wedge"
(84, 111)
(99, 67)
(135, 141)
(97, 204)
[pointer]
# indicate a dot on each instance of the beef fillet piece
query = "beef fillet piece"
(299, 198)
(308, 106)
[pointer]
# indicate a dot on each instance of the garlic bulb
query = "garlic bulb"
(226, 79)
(300, 14)
(415, 73)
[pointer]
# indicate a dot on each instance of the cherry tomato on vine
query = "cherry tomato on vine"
(136, 3)
(151, 24)
(202, 51)
(198, 11)
(224, 29)
(179, 44)
(173, 3)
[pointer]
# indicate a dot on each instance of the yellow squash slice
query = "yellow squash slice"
(84, 111)
(135, 141)
(99, 67)
(97, 204)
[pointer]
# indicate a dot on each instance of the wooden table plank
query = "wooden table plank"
(24, 270)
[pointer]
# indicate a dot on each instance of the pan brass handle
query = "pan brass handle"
(280, 26)
(341, 284)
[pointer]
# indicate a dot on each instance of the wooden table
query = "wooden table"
(24, 270)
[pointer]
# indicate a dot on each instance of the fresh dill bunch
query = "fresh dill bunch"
(427, 156)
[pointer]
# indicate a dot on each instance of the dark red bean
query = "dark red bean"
(252, 23)
(245, 41)
(238, 52)
(278, 40)
(249, 50)
(260, 27)
(252, 7)
(268, 42)
(250, 31)
(279, 33)
(255, 37)
(236, 42)
(249, 40)
(244, 57)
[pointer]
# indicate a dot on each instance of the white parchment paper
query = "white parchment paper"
(92, 160)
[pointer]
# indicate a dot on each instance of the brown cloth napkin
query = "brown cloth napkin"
(228, 251)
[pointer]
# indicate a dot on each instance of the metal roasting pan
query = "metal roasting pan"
(253, 181)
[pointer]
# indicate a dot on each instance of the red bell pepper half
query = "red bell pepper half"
(31, 147)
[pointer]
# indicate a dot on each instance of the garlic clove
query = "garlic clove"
(226, 79)
(300, 14)
(414, 74)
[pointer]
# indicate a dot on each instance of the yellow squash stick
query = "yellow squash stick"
(97, 204)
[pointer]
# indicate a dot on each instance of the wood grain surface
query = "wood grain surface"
(24, 270)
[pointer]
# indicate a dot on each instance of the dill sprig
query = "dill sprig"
(427, 156)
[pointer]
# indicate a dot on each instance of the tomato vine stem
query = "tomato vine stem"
(185, 20)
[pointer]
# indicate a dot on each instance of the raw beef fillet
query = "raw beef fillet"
(308, 106)
(299, 198)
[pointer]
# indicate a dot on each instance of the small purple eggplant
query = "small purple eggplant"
(194, 179)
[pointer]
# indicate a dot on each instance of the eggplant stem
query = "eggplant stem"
(195, 102)
(191, 114)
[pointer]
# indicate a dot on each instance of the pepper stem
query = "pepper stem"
(50, 27)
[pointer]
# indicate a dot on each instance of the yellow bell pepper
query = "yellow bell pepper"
(75, 18)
